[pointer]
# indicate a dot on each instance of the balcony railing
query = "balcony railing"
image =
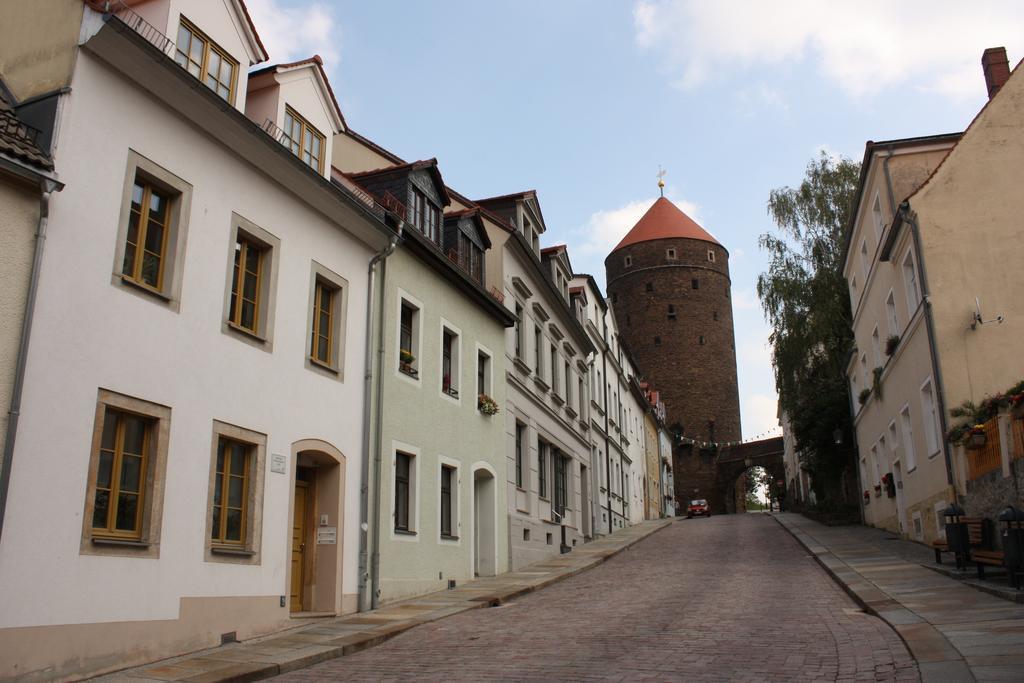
(135, 22)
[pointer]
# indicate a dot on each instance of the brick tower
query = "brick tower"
(668, 281)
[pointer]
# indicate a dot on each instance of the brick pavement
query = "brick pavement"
(729, 598)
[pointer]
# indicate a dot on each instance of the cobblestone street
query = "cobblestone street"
(729, 598)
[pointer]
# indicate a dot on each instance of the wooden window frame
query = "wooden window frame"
(519, 442)
(246, 249)
(210, 46)
(218, 531)
(407, 525)
(244, 230)
(321, 276)
(247, 551)
(305, 127)
(450, 362)
(179, 201)
(451, 534)
(146, 541)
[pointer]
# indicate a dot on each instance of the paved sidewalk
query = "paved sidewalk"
(955, 632)
(328, 639)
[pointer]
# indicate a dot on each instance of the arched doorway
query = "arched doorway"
(485, 515)
(317, 523)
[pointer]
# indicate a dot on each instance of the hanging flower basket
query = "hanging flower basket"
(486, 405)
(976, 438)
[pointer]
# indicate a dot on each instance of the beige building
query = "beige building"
(932, 264)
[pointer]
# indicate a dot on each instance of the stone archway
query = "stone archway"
(732, 461)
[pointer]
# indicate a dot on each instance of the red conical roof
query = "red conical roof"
(664, 220)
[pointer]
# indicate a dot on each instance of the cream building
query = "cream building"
(549, 470)
(198, 434)
(943, 235)
(438, 505)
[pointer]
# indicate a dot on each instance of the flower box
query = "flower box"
(976, 440)
(486, 405)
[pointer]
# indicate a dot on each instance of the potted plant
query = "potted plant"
(889, 484)
(976, 437)
(878, 490)
(876, 381)
(864, 395)
(405, 361)
(486, 405)
(891, 343)
(867, 496)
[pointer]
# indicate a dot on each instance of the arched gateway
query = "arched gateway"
(732, 461)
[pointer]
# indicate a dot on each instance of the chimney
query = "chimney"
(996, 67)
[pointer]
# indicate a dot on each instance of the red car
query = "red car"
(698, 507)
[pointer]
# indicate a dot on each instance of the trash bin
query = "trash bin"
(958, 538)
(1011, 528)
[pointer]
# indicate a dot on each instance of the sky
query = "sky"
(583, 100)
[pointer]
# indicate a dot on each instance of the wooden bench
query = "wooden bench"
(976, 528)
(995, 558)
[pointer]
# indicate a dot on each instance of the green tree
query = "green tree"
(806, 303)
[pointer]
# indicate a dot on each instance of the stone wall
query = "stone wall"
(988, 495)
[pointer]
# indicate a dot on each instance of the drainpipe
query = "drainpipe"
(48, 187)
(910, 217)
(368, 589)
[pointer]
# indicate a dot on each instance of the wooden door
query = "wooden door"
(299, 545)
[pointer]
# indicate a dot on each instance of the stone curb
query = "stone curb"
(921, 638)
(238, 671)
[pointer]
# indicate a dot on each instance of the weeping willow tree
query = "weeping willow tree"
(807, 305)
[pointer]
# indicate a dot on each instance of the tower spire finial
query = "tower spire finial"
(661, 180)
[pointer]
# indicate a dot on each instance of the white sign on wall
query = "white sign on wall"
(327, 535)
(278, 463)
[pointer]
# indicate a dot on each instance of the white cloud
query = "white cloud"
(605, 228)
(745, 300)
(864, 47)
(291, 34)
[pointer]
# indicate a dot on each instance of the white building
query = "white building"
(187, 464)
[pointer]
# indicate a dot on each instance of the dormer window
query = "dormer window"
(425, 216)
(305, 141)
(205, 60)
(471, 258)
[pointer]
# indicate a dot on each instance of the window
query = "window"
(449, 363)
(519, 331)
(149, 255)
(711, 256)
(205, 60)
(128, 459)
(931, 418)
(403, 479)
(520, 436)
(231, 492)
(701, 340)
(408, 338)
(554, 370)
(538, 344)
(876, 214)
(890, 311)
(670, 254)
(909, 453)
(628, 261)
(865, 261)
(568, 384)
(483, 373)
(425, 216)
(671, 312)
(876, 347)
(561, 483)
(145, 246)
(448, 476)
(714, 315)
(649, 287)
(245, 284)
(657, 341)
(327, 309)
(695, 283)
(910, 283)
(251, 282)
(542, 468)
(234, 508)
(121, 475)
(853, 291)
(305, 141)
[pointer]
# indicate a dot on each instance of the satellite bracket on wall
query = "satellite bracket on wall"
(979, 319)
